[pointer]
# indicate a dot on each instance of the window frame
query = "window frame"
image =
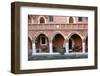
(41, 40)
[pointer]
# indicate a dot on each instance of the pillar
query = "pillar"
(33, 48)
(67, 46)
(50, 47)
(83, 46)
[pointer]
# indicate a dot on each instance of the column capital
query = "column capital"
(66, 40)
(50, 40)
(33, 41)
(83, 41)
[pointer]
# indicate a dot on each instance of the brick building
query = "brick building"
(48, 34)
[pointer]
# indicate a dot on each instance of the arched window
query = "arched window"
(71, 20)
(42, 20)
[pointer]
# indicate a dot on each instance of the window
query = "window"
(71, 20)
(50, 18)
(79, 19)
(42, 20)
(43, 40)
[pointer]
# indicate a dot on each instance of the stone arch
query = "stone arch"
(58, 42)
(29, 36)
(42, 43)
(75, 42)
(54, 34)
(38, 33)
(72, 33)
(41, 18)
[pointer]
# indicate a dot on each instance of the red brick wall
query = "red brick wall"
(60, 19)
(50, 30)
(50, 33)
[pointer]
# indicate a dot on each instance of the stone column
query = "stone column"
(33, 48)
(50, 47)
(83, 46)
(67, 46)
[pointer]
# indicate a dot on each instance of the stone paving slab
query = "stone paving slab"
(51, 57)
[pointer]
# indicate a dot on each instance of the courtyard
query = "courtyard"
(57, 37)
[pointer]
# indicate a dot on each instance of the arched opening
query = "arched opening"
(58, 43)
(86, 44)
(75, 43)
(71, 20)
(42, 44)
(29, 46)
(42, 20)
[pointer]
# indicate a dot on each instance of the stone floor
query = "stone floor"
(57, 56)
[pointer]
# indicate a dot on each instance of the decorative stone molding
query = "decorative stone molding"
(72, 33)
(58, 32)
(40, 18)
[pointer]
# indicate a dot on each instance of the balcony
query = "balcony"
(78, 26)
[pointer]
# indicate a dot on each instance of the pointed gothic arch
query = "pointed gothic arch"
(58, 42)
(75, 43)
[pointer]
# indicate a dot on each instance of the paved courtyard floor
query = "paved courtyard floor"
(57, 56)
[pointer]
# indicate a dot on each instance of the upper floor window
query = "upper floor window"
(42, 20)
(79, 19)
(71, 20)
(50, 18)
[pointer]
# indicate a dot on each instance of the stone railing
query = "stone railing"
(57, 26)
